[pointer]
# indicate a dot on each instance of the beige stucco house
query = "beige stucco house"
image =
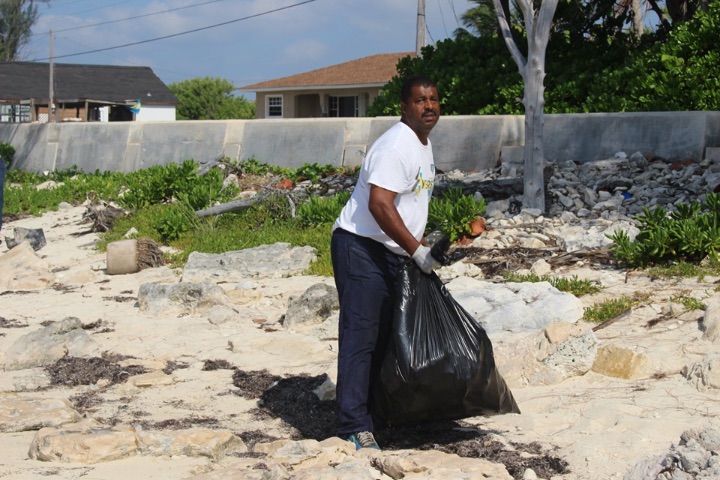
(343, 90)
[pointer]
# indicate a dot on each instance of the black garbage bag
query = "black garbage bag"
(439, 363)
(440, 251)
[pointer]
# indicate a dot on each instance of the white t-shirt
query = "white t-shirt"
(398, 162)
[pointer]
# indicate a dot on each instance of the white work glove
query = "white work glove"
(424, 259)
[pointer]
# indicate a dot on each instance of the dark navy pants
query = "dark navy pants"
(365, 273)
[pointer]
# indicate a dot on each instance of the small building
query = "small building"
(343, 90)
(82, 93)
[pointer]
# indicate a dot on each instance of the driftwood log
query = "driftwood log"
(206, 167)
(232, 206)
(237, 205)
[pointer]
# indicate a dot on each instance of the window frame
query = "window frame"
(334, 105)
(268, 106)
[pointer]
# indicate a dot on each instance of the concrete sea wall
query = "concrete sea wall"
(466, 143)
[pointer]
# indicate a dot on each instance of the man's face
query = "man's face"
(422, 110)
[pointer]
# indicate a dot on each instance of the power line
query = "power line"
(442, 17)
(125, 61)
(180, 33)
(93, 9)
(132, 18)
(51, 6)
(452, 7)
(432, 40)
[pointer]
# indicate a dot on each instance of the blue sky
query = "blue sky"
(260, 39)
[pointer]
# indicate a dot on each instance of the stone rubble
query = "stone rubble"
(584, 202)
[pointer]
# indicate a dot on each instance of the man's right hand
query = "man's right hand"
(424, 259)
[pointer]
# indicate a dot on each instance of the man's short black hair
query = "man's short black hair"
(411, 82)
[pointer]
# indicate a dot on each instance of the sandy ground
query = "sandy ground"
(600, 425)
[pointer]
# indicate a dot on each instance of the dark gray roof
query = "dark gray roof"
(106, 83)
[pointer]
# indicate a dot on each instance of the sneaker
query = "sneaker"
(363, 440)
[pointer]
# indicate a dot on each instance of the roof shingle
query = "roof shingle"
(373, 70)
(73, 82)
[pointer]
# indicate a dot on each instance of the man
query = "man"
(381, 226)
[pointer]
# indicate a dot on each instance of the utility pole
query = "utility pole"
(51, 98)
(420, 39)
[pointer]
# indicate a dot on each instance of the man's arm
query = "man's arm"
(383, 210)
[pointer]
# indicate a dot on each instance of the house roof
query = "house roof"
(375, 70)
(105, 83)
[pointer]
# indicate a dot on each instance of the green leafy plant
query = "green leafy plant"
(170, 182)
(684, 270)
(73, 186)
(174, 221)
(691, 233)
(690, 303)
(252, 166)
(7, 152)
(609, 309)
(452, 213)
(313, 171)
(572, 285)
(320, 210)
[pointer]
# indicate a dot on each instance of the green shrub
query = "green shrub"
(691, 233)
(75, 187)
(162, 201)
(174, 221)
(158, 184)
(313, 171)
(31, 201)
(452, 213)
(320, 210)
(207, 190)
(7, 152)
(170, 182)
(24, 178)
(252, 166)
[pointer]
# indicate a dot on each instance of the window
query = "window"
(14, 113)
(343, 107)
(274, 106)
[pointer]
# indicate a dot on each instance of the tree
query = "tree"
(473, 76)
(577, 18)
(532, 70)
(482, 18)
(681, 73)
(210, 99)
(16, 20)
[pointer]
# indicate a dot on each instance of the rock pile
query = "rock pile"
(587, 201)
(695, 456)
(584, 202)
